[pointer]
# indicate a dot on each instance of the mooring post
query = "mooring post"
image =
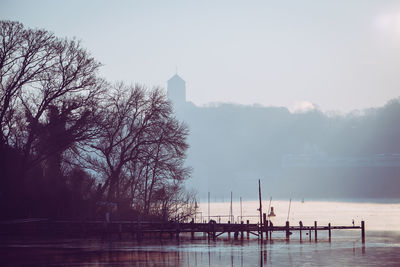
(209, 230)
(161, 229)
(362, 231)
(266, 229)
(214, 230)
(241, 229)
(259, 196)
(229, 230)
(236, 234)
(271, 228)
(301, 228)
(329, 231)
(309, 233)
(177, 229)
(264, 223)
(192, 228)
(287, 230)
(315, 228)
(248, 229)
(139, 228)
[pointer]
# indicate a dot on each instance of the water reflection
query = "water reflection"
(224, 252)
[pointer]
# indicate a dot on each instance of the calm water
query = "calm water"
(381, 216)
(382, 247)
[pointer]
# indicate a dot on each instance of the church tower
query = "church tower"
(177, 90)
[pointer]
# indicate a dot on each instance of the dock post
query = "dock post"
(161, 230)
(363, 232)
(177, 230)
(248, 229)
(264, 223)
(315, 228)
(271, 228)
(241, 229)
(229, 230)
(139, 229)
(309, 233)
(192, 228)
(214, 230)
(209, 230)
(301, 228)
(287, 230)
(329, 231)
(266, 229)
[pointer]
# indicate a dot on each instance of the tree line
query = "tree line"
(73, 145)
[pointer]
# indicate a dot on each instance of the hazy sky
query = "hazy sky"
(340, 55)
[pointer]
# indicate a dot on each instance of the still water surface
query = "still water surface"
(382, 247)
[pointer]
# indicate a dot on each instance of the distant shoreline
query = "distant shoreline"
(343, 200)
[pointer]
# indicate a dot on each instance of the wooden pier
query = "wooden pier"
(141, 229)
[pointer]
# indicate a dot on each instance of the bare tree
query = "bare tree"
(52, 105)
(141, 146)
(165, 160)
(42, 74)
(25, 55)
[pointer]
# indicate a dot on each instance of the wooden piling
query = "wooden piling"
(241, 228)
(266, 229)
(362, 231)
(209, 230)
(264, 222)
(214, 230)
(229, 231)
(329, 231)
(309, 234)
(139, 229)
(315, 229)
(287, 230)
(248, 229)
(161, 230)
(271, 228)
(192, 229)
(177, 230)
(301, 228)
(132, 228)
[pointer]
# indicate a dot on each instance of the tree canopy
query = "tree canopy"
(67, 136)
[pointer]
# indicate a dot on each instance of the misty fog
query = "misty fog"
(353, 155)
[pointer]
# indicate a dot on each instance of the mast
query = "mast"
(208, 205)
(260, 209)
(241, 212)
(231, 211)
(290, 202)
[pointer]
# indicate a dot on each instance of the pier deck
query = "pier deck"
(141, 228)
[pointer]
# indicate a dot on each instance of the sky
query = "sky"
(335, 55)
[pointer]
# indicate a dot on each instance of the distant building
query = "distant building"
(177, 90)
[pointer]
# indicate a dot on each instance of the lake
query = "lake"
(382, 247)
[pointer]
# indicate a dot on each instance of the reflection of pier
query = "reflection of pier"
(141, 229)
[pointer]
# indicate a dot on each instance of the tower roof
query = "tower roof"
(176, 77)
